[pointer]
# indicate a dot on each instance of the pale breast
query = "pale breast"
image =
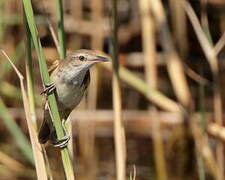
(70, 93)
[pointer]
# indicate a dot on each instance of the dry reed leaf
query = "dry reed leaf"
(214, 65)
(174, 64)
(37, 149)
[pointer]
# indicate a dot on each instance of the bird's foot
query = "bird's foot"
(61, 143)
(49, 88)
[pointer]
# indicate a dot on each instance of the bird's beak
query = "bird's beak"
(96, 59)
(100, 59)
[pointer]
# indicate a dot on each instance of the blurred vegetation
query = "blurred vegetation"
(171, 75)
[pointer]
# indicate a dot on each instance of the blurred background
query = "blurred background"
(172, 82)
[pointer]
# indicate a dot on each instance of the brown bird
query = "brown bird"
(70, 78)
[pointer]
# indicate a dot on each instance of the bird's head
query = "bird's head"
(76, 65)
(86, 58)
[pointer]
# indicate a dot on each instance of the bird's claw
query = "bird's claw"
(62, 143)
(49, 88)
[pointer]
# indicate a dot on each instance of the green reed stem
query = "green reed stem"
(68, 168)
(60, 28)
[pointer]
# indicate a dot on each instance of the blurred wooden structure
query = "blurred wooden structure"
(136, 122)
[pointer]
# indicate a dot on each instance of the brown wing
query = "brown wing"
(54, 65)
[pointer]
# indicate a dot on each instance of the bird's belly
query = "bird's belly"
(69, 95)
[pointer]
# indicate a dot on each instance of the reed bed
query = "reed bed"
(154, 112)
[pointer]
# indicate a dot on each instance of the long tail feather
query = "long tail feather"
(45, 129)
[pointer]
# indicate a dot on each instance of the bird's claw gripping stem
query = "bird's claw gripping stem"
(62, 143)
(49, 88)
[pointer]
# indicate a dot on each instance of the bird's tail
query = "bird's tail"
(45, 129)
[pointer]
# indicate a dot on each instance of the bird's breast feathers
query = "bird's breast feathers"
(70, 93)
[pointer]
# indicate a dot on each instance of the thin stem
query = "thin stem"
(119, 132)
(148, 41)
(62, 54)
(60, 28)
(36, 147)
(67, 163)
(29, 75)
(213, 62)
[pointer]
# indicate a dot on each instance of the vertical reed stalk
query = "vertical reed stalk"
(174, 64)
(30, 93)
(36, 147)
(29, 76)
(77, 15)
(200, 162)
(179, 24)
(88, 137)
(67, 163)
(97, 37)
(97, 44)
(148, 41)
(60, 28)
(204, 20)
(13, 92)
(201, 167)
(119, 132)
(159, 153)
(62, 54)
(213, 62)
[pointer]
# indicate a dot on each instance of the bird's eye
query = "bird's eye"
(81, 58)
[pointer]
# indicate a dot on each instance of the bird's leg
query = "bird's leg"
(62, 143)
(49, 88)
